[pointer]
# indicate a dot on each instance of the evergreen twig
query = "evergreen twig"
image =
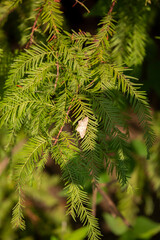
(82, 4)
(33, 29)
(56, 139)
(57, 74)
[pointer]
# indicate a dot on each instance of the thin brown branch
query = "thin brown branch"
(4, 164)
(109, 13)
(82, 4)
(108, 184)
(112, 207)
(56, 139)
(33, 29)
(53, 37)
(112, 6)
(94, 198)
(90, 84)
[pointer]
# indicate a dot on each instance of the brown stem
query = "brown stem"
(94, 198)
(53, 37)
(113, 209)
(76, 1)
(107, 184)
(56, 139)
(109, 13)
(112, 6)
(33, 29)
(4, 164)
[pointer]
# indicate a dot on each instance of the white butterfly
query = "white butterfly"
(82, 126)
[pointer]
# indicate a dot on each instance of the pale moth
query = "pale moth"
(82, 126)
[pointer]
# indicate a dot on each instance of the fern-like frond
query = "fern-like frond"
(23, 172)
(16, 107)
(38, 77)
(92, 153)
(78, 204)
(52, 17)
(130, 36)
(73, 60)
(32, 152)
(27, 61)
(74, 171)
(18, 218)
(138, 101)
(100, 47)
(112, 122)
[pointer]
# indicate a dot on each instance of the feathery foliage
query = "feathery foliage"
(62, 80)
(131, 35)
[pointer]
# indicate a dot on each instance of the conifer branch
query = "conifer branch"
(112, 6)
(82, 4)
(57, 74)
(33, 29)
(56, 139)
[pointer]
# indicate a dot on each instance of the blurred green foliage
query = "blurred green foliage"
(45, 200)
